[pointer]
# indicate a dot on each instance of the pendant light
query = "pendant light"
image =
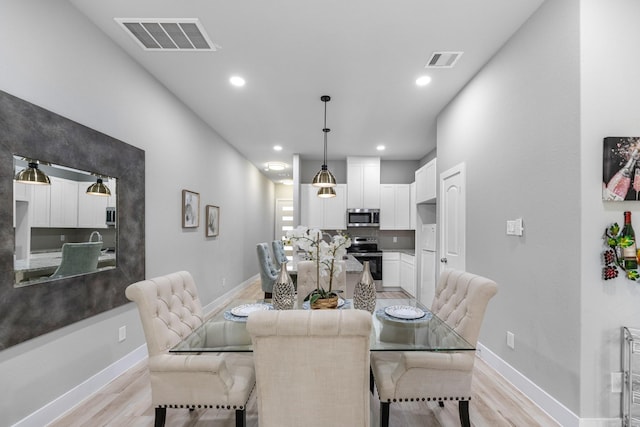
(98, 189)
(326, 192)
(33, 175)
(324, 178)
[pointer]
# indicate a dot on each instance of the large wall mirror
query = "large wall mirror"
(64, 221)
(32, 302)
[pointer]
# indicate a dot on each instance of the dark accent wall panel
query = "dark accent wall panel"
(28, 130)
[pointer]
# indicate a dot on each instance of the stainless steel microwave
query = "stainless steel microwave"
(363, 217)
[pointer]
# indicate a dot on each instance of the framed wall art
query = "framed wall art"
(213, 221)
(190, 209)
(620, 172)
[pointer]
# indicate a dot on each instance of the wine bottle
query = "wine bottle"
(619, 184)
(629, 255)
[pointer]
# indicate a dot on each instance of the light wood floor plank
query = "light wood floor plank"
(126, 401)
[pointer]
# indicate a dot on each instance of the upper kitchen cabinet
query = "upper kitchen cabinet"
(91, 209)
(395, 204)
(326, 214)
(64, 203)
(363, 182)
(426, 183)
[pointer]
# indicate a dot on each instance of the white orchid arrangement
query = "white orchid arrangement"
(325, 254)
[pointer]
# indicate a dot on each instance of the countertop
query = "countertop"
(352, 264)
(411, 252)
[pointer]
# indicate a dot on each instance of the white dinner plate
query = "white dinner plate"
(244, 309)
(404, 312)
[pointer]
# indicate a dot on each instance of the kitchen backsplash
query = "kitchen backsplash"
(48, 239)
(404, 239)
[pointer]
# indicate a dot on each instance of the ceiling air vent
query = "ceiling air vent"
(168, 34)
(443, 59)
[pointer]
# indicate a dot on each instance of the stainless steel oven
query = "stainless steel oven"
(366, 249)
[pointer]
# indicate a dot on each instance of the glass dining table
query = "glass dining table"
(398, 325)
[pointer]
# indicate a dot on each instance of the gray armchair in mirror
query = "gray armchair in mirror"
(78, 258)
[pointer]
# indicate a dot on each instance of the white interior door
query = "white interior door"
(284, 222)
(452, 218)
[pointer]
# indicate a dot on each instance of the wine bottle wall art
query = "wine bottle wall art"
(621, 169)
(621, 252)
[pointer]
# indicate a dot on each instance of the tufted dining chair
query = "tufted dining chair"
(279, 256)
(170, 310)
(268, 271)
(307, 280)
(298, 381)
(460, 301)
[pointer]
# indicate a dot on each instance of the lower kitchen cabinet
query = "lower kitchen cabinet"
(407, 274)
(390, 269)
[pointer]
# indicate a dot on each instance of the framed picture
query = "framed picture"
(620, 172)
(190, 209)
(213, 221)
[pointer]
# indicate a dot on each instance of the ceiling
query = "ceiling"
(365, 54)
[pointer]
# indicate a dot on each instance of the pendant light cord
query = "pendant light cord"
(325, 99)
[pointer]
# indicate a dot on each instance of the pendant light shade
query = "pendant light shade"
(33, 175)
(98, 189)
(326, 192)
(324, 178)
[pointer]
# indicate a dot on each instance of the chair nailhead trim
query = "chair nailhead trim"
(428, 399)
(199, 406)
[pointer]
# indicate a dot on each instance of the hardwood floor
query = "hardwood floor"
(126, 401)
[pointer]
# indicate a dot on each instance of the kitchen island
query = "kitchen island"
(40, 266)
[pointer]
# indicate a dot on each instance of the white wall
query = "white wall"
(610, 57)
(516, 126)
(59, 61)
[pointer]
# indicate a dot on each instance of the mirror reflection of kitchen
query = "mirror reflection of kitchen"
(64, 221)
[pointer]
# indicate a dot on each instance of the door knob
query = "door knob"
(443, 260)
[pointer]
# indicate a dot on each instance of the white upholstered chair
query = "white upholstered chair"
(170, 309)
(307, 280)
(461, 299)
(312, 367)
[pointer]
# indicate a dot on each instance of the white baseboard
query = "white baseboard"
(216, 302)
(64, 403)
(545, 401)
(73, 397)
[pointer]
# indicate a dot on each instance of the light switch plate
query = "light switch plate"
(515, 227)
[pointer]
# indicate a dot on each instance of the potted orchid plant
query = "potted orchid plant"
(324, 254)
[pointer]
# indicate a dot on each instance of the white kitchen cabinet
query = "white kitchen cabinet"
(390, 269)
(426, 183)
(91, 209)
(413, 212)
(327, 214)
(40, 206)
(407, 274)
(363, 182)
(395, 202)
(64, 203)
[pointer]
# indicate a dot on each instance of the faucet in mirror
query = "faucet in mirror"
(65, 225)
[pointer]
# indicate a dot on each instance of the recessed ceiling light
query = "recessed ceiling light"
(276, 166)
(380, 147)
(237, 81)
(423, 80)
(287, 182)
(277, 147)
